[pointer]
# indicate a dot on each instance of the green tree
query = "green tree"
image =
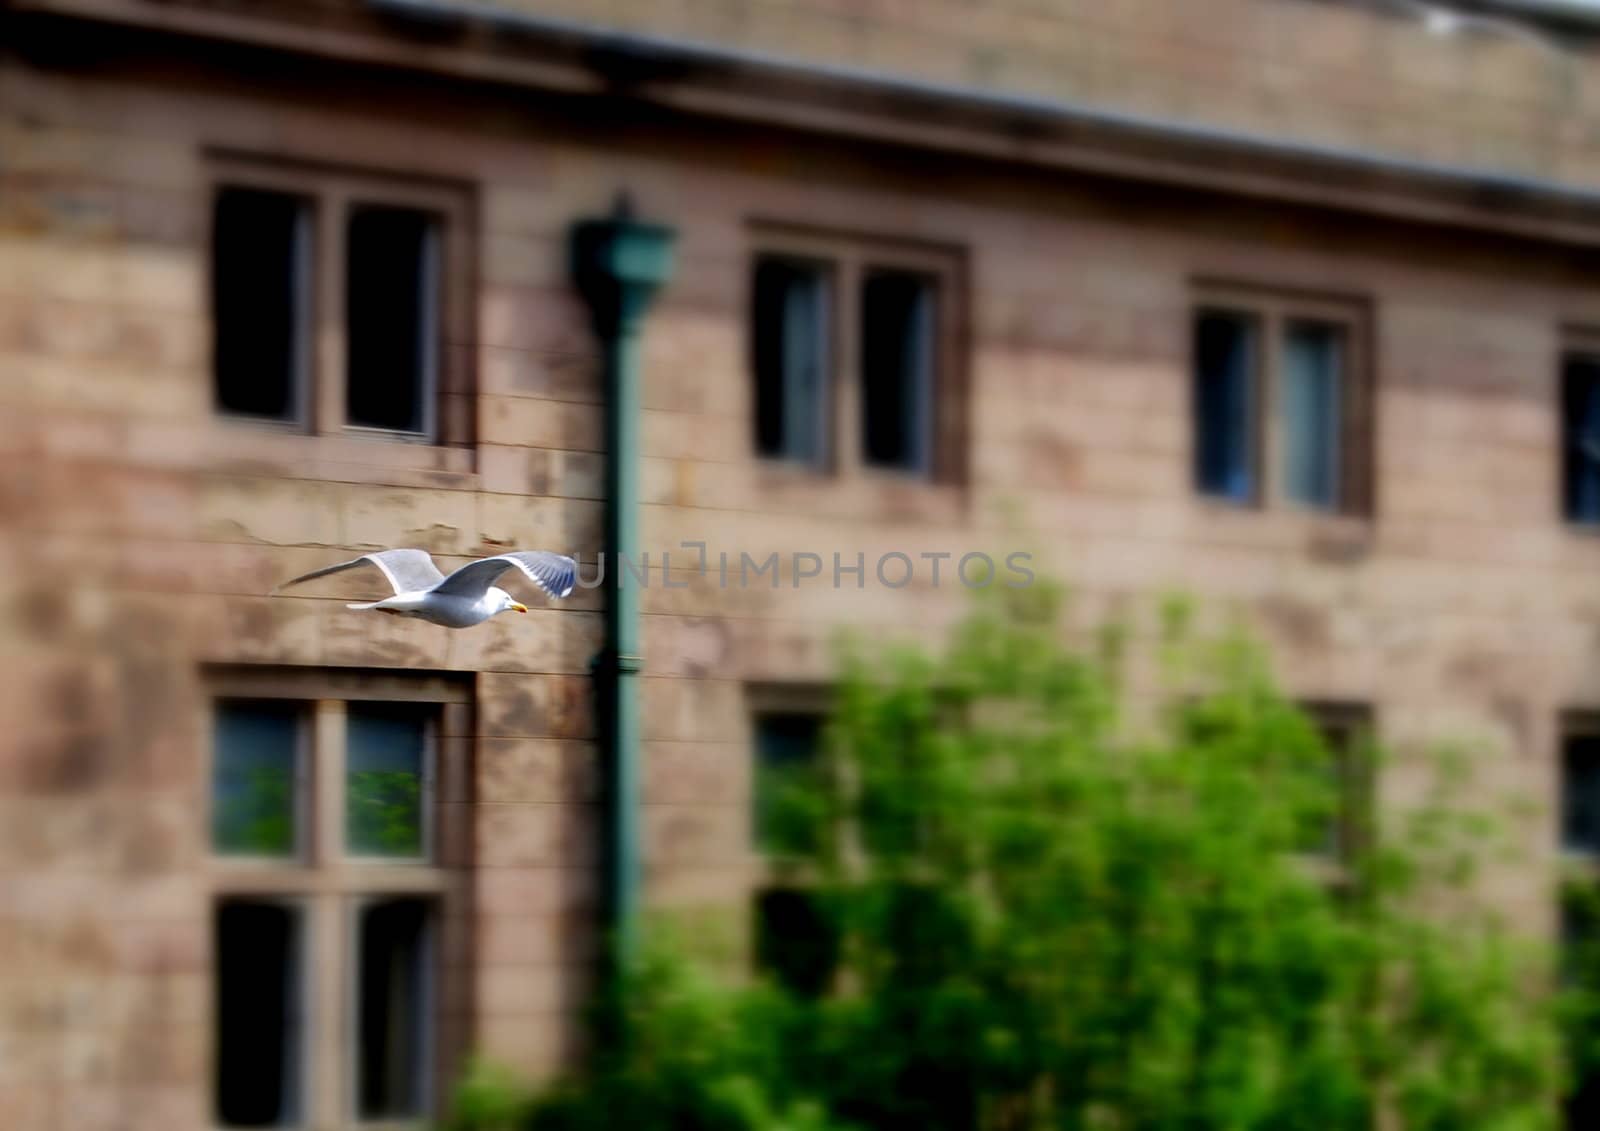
(1064, 902)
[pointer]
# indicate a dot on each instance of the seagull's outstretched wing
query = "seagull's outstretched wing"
(406, 570)
(553, 573)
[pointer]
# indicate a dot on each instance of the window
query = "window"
(787, 746)
(1580, 790)
(388, 783)
(1580, 899)
(257, 778)
(392, 315)
(1580, 432)
(792, 360)
(1281, 402)
(336, 300)
(392, 1002)
(261, 1001)
(1226, 354)
(1345, 729)
(796, 941)
(853, 357)
(897, 370)
(331, 885)
(260, 287)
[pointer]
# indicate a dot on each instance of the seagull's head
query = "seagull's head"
(503, 602)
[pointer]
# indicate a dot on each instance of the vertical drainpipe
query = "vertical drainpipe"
(617, 265)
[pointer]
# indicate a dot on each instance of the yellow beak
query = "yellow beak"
(515, 607)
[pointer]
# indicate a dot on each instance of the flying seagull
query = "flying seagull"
(465, 598)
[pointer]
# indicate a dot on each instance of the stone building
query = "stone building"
(1287, 303)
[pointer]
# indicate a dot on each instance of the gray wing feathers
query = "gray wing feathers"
(406, 570)
(553, 573)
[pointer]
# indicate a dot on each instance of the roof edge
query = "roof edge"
(475, 41)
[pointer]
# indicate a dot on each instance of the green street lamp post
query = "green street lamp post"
(618, 264)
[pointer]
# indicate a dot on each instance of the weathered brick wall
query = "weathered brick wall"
(1464, 607)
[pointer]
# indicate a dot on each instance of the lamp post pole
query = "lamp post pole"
(618, 264)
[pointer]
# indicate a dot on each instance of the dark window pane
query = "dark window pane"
(1580, 794)
(1312, 388)
(259, 279)
(1580, 424)
(897, 370)
(1224, 395)
(787, 745)
(258, 1009)
(386, 759)
(796, 942)
(1580, 975)
(1339, 834)
(391, 305)
(790, 342)
(393, 1009)
(928, 931)
(255, 767)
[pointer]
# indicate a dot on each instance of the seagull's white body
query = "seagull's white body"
(446, 609)
(463, 599)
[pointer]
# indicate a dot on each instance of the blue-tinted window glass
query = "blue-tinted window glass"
(1580, 401)
(1580, 795)
(1224, 396)
(393, 1007)
(1312, 402)
(790, 343)
(787, 746)
(898, 336)
(385, 753)
(254, 778)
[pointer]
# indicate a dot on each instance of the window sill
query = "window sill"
(768, 869)
(355, 456)
(873, 493)
(301, 878)
(776, 472)
(403, 1123)
(1579, 863)
(1323, 535)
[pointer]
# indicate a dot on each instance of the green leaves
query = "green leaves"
(254, 814)
(385, 812)
(1068, 892)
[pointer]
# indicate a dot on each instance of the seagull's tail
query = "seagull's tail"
(368, 605)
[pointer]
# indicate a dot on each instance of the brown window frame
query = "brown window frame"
(1578, 345)
(1273, 310)
(1578, 875)
(771, 872)
(768, 867)
(329, 885)
(331, 192)
(1348, 730)
(1577, 866)
(845, 259)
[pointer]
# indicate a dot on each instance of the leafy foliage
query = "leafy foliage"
(1062, 905)
(685, 1052)
(254, 813)
(385, 812)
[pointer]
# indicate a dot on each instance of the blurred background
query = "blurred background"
(1287, 304)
